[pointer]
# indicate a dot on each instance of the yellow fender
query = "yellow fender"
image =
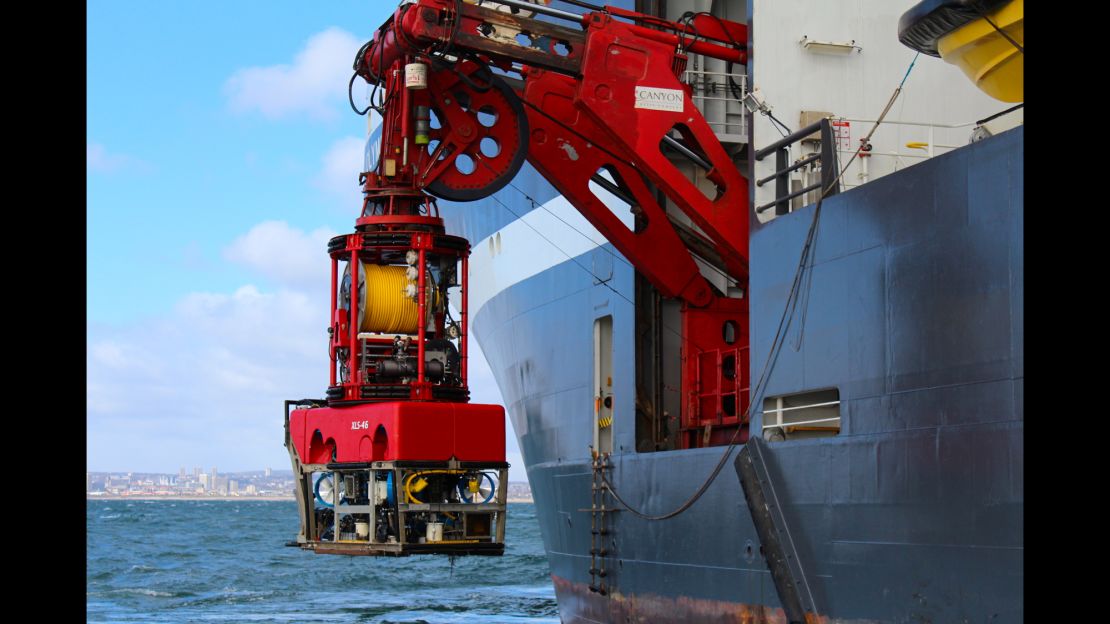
(992, 62)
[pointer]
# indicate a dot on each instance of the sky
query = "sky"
(222, 154)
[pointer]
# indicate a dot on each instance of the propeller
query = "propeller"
(480, 492)
(325, 491)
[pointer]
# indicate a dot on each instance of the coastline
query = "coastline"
(190, 498)
(145, 497)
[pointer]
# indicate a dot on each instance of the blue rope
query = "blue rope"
(909, 69)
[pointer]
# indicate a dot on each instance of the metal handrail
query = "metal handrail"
(798, 165)
(801, 407)
(827, 157)
(789, 139)
(801, 422)
(698, 78)
(931, 144)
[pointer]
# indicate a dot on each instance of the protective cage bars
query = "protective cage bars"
(478, 527)
(357, 357)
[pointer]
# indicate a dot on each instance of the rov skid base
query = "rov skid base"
(399, 478)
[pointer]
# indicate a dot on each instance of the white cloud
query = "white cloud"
(121, 357)
(339, 169)
(223, 365)
(289, 256)
(99, 159)
(205, 383)
(312, 85)
(108, 353)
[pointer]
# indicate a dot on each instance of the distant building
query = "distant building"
(181, 475)
(196, 473)
(204, 481)
(269, 472)
(252, 490)
(232, 486)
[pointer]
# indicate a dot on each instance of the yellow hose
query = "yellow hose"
(387, 309)
(406, 485)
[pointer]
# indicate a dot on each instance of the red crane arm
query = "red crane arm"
(599, 94)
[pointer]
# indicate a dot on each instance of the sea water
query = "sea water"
(226, 561)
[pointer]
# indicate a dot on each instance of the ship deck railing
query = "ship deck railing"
(800, 171)
(728, 119)
(923, 149)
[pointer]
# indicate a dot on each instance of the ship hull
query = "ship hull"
(913, 512)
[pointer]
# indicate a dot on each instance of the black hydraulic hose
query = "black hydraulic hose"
(997, 115)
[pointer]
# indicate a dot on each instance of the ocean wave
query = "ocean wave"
(142, 591)
(176, 562)
(229, 598)
(142, 568)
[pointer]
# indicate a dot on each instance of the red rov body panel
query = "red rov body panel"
(399, 431)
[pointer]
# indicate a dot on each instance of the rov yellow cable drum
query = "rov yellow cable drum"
(386, 306)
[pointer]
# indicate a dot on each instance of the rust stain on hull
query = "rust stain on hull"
(578, 605)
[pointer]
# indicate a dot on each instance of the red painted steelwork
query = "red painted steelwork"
(568, 152)
(715, 395)
(334, 328)
(402, 222)
(399, 431)
(464, 331)
(470, 105)
(426, 24)
(608, 102)
(609, 91)
(351, 389)
(702, 25)
(390, 250)
(421, 306)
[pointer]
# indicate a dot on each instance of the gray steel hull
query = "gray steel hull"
(913, 513)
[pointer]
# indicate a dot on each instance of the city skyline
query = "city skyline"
(263, 482)
(260, 483)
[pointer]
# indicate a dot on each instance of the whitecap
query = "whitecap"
(142, 591)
